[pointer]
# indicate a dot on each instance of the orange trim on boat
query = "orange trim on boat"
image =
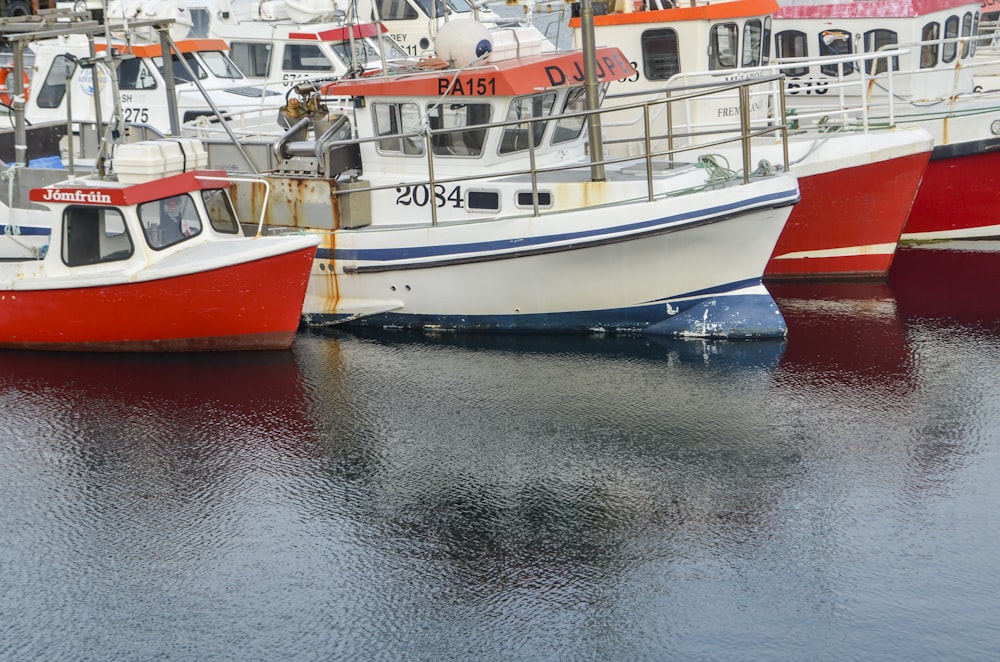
(155, 50)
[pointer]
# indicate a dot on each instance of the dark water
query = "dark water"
(830, 497)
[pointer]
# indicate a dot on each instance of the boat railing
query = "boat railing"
(664, 151)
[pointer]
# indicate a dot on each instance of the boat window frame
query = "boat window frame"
(129, 80)
(548, 204)
(753, 40)
(715, 47)
(403, 117)
(835, 70)
(949, 50)
(660, 64)
(475, 193)
(930, 49)
(101, 243)
(967, 33)
(459, 140)
(796, 41)
(575, 101)
(230, 224)
(875, 40)
(53, 88)
(510, 137)
(294, 54)
(393, 10)
(247, 52)
(160, 238)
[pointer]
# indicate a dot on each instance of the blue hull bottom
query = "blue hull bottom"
(733, 317)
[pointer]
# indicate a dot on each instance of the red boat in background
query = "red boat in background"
(857, 185)
(154, 260)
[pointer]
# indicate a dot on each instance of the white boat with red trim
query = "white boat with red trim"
(857, 185)
(464, 199)
(929, 80)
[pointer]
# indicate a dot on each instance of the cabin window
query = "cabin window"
(722, 46)
(765, 40)
(53, 88)
(966, 33)
(835, 43)
(950, 48)
(660, 54)
(988, 24)
(456, 116)
(751, 43)
(219, 64)
(515, 136)
(169, 221)
(929, 51)
(305, 57)
(92, 235)
(135, 74)
(393, 10)
(791, 44)
(877, 40)
(252, 59)
(181, 74)
(570, 128)
(523, 200)
(482, 201)
(221, 214)
(393, 119)
(975, 31)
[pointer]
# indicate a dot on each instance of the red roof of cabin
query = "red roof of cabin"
(512, 77)
(715, 11)
(873, 9)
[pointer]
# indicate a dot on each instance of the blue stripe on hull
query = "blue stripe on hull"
(712, 214)
(734, 317)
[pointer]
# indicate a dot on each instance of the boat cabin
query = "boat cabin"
(939, 35)
(701, 36)
(277, 43)
(68, 77)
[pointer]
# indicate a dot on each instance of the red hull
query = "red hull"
(957, 199)
(254, 305)
(854, 216)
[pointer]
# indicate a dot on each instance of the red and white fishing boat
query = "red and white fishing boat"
(929, 82)
(152, 259)
(857, 186)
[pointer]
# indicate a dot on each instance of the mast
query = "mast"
(592, 91)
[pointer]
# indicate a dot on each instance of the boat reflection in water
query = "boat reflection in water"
(516, 497)
(949, 283)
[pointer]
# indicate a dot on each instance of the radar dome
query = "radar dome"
(463, 40)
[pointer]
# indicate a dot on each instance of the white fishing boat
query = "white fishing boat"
(464, 199)
(71, 80)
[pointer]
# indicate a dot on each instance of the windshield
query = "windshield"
(219, 64)
(201, 64)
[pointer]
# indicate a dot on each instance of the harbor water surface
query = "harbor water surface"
(452, 497)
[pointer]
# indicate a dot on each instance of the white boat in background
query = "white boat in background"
(463, 199)
(70, 74)
(277, 44)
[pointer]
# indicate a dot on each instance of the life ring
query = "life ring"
(5, 96)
